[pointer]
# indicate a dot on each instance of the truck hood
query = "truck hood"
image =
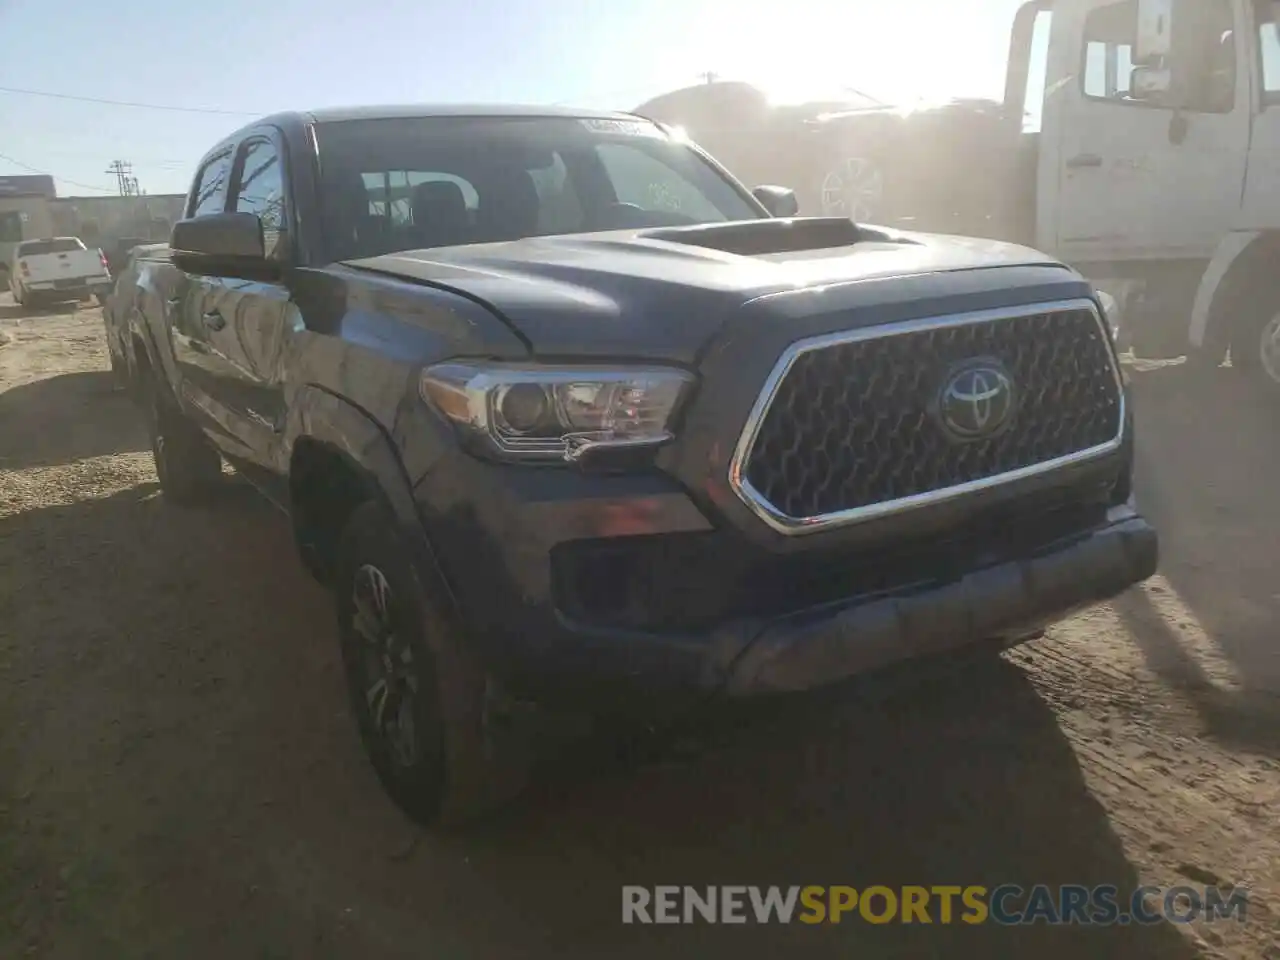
(664, 293)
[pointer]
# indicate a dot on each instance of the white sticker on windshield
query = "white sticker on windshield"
(626, 128)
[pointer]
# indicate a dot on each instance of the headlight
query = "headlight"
(527, 411)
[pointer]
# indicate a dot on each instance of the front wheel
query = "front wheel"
(424, 708)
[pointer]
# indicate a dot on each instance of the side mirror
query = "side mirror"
(222, 244)
(779, 201)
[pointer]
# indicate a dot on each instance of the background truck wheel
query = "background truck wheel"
(189, 469)
(1258, 355)
(427, 713)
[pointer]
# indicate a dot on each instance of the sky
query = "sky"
(240, 59)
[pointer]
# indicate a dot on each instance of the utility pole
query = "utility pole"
(125, 181)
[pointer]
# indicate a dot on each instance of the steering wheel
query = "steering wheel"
(624, 216)
(621, 215)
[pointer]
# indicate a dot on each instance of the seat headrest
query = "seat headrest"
(438, 201)
(510, 207)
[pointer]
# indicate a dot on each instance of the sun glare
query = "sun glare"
(900, 54)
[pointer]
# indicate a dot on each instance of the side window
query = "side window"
(1206, 61)
(1037, 73)
(211, 186)
(639, 178)
(260, 190)
(1270, 36)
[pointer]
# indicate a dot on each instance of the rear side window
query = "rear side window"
(211, 186)
(33, 248)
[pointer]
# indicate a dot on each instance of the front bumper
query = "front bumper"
(909, 589)
(1002, 603)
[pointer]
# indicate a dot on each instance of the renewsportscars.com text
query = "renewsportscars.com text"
(1007, 904)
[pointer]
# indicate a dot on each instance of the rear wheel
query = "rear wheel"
(119, 369)
(189, 468)
(427, 713)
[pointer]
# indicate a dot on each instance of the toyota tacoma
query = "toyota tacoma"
(561, 413)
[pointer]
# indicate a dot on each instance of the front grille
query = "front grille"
(853, 425)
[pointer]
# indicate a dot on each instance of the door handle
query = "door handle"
(213, 320)
(1084, 160)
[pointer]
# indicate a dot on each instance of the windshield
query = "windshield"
(404, 184)
(34, 248)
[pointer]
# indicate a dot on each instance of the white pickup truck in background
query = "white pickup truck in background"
(59, 268)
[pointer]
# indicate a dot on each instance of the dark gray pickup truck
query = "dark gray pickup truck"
(563, 414)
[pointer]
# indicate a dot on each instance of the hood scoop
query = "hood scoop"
(758, 238)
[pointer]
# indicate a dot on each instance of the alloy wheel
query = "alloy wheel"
(1269, 350)
(388, 672)
(854, 188)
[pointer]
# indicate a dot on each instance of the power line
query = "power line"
(126, 103)
(45, 173)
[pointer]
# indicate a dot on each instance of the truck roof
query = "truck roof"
(423, 110)
(297, 120)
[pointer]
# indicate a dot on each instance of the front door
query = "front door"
(190, 324)
(251, 322)
(1136, 178)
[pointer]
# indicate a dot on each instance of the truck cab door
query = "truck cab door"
(254, 320)
(1135, 173)
(187, 307)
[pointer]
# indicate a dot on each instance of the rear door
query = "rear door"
(1135, 178)
(251, 321)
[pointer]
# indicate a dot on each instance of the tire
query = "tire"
(119, 370)
(188, 467)
(425, 710)
(1258, 356)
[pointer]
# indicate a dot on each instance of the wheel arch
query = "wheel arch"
(340, 456)
(1243, 265)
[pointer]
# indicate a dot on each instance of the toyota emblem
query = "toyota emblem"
(976, 400)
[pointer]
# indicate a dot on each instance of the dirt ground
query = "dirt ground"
(179, 777)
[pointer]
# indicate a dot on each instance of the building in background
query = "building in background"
(24, 214)
(30, 208)
(100, 221)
